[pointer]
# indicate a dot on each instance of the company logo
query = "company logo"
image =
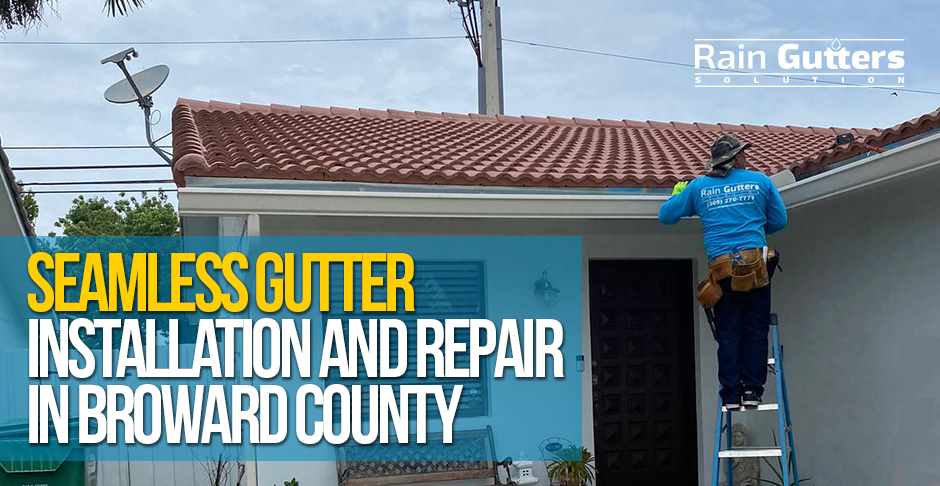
(799, 63)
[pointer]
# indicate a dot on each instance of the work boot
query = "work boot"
(750, 399)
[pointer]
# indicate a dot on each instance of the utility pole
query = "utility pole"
(488, 49)
(492, 56)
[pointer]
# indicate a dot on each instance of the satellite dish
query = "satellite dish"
(146, 82)
(138, 88)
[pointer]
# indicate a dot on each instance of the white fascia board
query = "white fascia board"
(216, 201)
(898, 162)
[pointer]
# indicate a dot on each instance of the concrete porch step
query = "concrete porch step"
(750, 452)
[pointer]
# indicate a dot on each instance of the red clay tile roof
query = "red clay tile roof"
(339, 144)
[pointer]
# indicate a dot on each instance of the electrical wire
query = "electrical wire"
(88, 167)
(471, 28)
(81, 147)
(231, 41)
(98, 183)
(690, 65)
(104, 191)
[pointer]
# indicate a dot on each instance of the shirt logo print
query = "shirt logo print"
(730, 195)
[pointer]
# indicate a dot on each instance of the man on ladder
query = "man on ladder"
(737, 208)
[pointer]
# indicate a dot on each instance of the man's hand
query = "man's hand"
(679, 187)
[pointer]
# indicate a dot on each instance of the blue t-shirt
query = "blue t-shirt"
(737, 211)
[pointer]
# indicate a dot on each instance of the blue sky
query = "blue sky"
(52, 95)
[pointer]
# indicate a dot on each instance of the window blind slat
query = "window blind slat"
(443, 290)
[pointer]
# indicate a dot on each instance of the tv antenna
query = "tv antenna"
(138, 88)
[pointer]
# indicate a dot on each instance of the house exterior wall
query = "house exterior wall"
(859, 303)
(622, 239)
(12, 326)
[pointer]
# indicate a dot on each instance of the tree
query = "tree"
(27, 13)
(29, 203)
(89, 227)
(221, 471)
(147, 216)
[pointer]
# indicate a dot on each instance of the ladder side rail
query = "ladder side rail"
(728, 442)
(718, 427)
(786, 408)
(781, 416)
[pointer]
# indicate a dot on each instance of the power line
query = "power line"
(103, 191)
(81, 147)
(690, 65)
(600, 53)
(89, 167)
(232, 41)
(99, 183)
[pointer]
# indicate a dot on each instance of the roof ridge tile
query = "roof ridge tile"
(536, 119)
(586, 122)
(276, 108)
(314, 110)
(429, 114)
(254, 107)
(710, 127)
(371, 113)
(351, 112)
(223, 106)
(392, 113)
(605, 122)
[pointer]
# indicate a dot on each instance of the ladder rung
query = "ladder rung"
(771, 361)
(759, 408)
(750, 452)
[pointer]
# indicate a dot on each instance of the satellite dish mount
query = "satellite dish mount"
(139, 88)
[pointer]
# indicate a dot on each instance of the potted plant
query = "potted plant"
(574, 466)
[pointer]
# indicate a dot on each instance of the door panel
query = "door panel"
(642, 334)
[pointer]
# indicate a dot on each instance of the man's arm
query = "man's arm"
(776, 211)
(678, 206)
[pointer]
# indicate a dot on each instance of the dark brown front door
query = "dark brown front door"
(644, 372)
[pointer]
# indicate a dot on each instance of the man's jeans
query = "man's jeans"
(742, 321)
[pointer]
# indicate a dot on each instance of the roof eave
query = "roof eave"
(220, 201)
(899, 162)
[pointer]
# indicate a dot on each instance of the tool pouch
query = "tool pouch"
(709, 289)
(709, 292)
(749, 270)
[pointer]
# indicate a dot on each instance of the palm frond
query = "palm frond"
(121, 7)
(22, 13)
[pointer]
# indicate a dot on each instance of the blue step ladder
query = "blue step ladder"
(786, 451)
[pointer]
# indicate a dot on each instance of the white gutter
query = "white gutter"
(898, 162)
(216, 201)
(290, 201)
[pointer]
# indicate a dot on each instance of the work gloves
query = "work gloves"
(679, 187)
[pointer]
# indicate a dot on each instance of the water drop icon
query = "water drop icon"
(836, 44)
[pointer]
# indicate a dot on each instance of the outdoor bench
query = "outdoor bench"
(364, 465)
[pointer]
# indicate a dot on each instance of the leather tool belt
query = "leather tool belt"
(747, 270)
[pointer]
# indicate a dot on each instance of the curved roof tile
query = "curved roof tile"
(216, 139)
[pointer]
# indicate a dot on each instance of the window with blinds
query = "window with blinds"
(443, 290)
